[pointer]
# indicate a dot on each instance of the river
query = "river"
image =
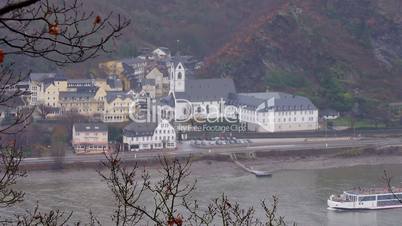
(302, 193)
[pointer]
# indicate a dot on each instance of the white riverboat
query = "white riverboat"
(367, 199)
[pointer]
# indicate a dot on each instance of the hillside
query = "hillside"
(344, 54)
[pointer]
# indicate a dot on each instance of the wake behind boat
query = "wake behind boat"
(367, 199)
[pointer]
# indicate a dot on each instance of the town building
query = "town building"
(114, 83)
(13, 108)
(90, 138)
(149, 136)
(190, 98)
(274, 111)
(45, 88)
(162, 52)
(81, 101)
(134, 69)
(74, 84)
(117, 106)
(161, 81)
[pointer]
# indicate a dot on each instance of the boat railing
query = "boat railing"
(374, 191)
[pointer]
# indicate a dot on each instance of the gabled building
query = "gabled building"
(161, 82)
(44, 88)
(117, 106)
(90, 138)
(162, 52)
(149, 136)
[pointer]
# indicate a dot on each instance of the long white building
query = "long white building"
(274, 111)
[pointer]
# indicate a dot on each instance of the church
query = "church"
(194, 98)
(201, 99)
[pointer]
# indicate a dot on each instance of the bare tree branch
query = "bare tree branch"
(18, 5)
(61, 33)
(9, 174)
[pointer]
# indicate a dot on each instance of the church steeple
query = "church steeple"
(180, 77)
(177, 77)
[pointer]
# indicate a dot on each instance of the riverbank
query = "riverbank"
(271, 161)
(319, 159)
(321, 162)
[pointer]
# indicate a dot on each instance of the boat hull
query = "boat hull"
(356, 206)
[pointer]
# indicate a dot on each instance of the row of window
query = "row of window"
(290, 126)
(164, 131)
(157, 138)
(251, 119)
(295, 112)
(91, 134)
(90, 146)
(295, 119)
(115, 117)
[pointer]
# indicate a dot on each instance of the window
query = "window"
(385, 197)
(180, 76)
(367, 198)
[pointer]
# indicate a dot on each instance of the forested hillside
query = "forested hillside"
(344, 54)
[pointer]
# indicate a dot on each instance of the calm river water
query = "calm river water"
(302, 193)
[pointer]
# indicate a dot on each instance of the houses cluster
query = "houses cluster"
(103, 99)
(167, 83)
(150, 71)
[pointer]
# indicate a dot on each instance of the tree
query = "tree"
(387, 179)
(59, 141)
(10, 172)
(44, 110)
(171, 195)
(59, 32)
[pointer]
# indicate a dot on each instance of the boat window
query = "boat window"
(367, 198)
(389, 203)
(386, 197)
(351, 198)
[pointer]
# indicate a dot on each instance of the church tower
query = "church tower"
(180, 78)
(177, 77)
